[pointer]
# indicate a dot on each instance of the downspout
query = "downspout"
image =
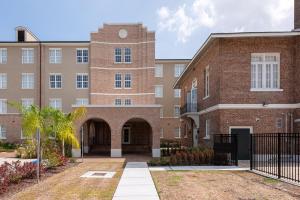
(40, 89)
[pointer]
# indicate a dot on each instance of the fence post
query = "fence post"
(236, 149)
(279, 154)
(251, 152)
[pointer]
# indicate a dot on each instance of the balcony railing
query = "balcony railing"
(189, 108)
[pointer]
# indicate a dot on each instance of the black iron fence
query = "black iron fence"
(276, 154)
(189, 108)
(225, 149)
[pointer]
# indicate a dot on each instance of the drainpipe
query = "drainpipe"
(40, 88)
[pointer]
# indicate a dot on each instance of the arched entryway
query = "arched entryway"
(136, 137)
(96, 137)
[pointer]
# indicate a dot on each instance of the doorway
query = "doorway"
(243, 140)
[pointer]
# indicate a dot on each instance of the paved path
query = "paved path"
(136, 183)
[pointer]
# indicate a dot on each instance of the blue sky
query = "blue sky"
(181, 25)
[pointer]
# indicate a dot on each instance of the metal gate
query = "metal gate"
(225, 149)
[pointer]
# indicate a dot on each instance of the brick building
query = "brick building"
(242, 83)
(128, 94)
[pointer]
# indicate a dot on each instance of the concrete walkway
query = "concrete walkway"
(136, 183)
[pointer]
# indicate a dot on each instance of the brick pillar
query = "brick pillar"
(156, 141)
(116, 145)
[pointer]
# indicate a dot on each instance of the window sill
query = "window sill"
(206, 138)
(265, 90)
(82, 88)
(205, 98)
(3, 138)
(177, 137)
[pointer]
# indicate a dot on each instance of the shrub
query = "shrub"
(27, 150)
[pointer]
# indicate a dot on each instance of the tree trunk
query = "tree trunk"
(63, 147)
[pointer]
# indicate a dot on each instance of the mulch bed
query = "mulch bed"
(25, 183)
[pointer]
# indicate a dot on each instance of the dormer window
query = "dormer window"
(21, 36)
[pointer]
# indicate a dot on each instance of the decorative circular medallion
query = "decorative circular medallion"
(123, 33)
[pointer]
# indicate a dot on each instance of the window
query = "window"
(159, 91)
(3, 55)
(82, 55)
(127, 55)
(161, 113)
(55, 55)
(3, 81)
(2, 132)
(3, 106)
(127, 102)
(161, 133)
(159, 70)
(118, 80)
(207, 129)
(118, 55)
(118, 102)
(127, 81)
(27, 81)
(178, 69)
(126, 135)
(55, 103)
(55, 81)
(26, 103)
(265, 71)
(177, 132)
(279, 123)
(176, 111)
(177, 93)
(82, 101)
(82, 81)
(27, 55)
(206, 82)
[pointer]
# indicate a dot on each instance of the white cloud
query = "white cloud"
(226, 16)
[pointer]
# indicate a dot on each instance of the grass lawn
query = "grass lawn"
(68, 184)
(221, 185)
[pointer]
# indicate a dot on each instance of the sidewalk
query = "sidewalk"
(136, 183)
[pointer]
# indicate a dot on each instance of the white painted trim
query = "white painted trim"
(265, 90)
(248, 106)
(121, 43)
(121, 106)
(130, 68)
(116, 153)
(121, 94)
(241, 127)
(297, 120)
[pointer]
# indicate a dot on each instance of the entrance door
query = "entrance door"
(243, 140)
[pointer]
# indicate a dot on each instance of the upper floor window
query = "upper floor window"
(27, 81)
(177, 132)
(265, 71)
(55, 103)
(26, 103)
(82, 81)
(127, 55)
(127, 80)
(118, 80)
(27, 55)
(2, 132)
(206, 82)
(3, 80)
(159, 70)
(55, 81)
(159, 91)
(82, 55)
(82, 101)
(177, 93)
(127, 102)
(118, 102)
(118, 55)
(3, 106)
(178, 69)
(176, 111)
(55, 55)
(3, 55)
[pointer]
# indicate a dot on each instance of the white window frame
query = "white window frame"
(2, 132)
(260, 74)
(161, 132)
(27, 58)
(82, 81)
(177, 93)
(177, 111)
(206, 82)
(3, 106)
(27, 81)
(161, 112)
(82, 101)
(117, 55)
(82, 57)
(127, 81)
(55, 55)
(178, 69)
(159, 91)
(207, 129)
(27, 102)
(118, 102)
(57, 101)
(3, 55)
(127, 56)
(3, 81)
(159, 71)
(179, 132)
(127, 102)
(118, 81)
(55, 81)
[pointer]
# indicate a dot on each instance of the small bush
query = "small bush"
(27, 150)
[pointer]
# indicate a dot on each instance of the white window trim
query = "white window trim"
(162, 91)
(1, 132)
(27, 99)
(115, 80)
(118, 55)
(161, 132)
(5, 103)
(125, 55)
(178, 66)
(128, 88)
(26, 61)
(178, 137)
(161, 71)
(81, 101)
(55, 81)
(206, 83)
(1, 56)
(115, 102)
(175, 93)
(127, 104)
(29, 88)
(5, 85)
(56, 61)
(82, 74)
(81, 49)
(56, 99)
(176, 106)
